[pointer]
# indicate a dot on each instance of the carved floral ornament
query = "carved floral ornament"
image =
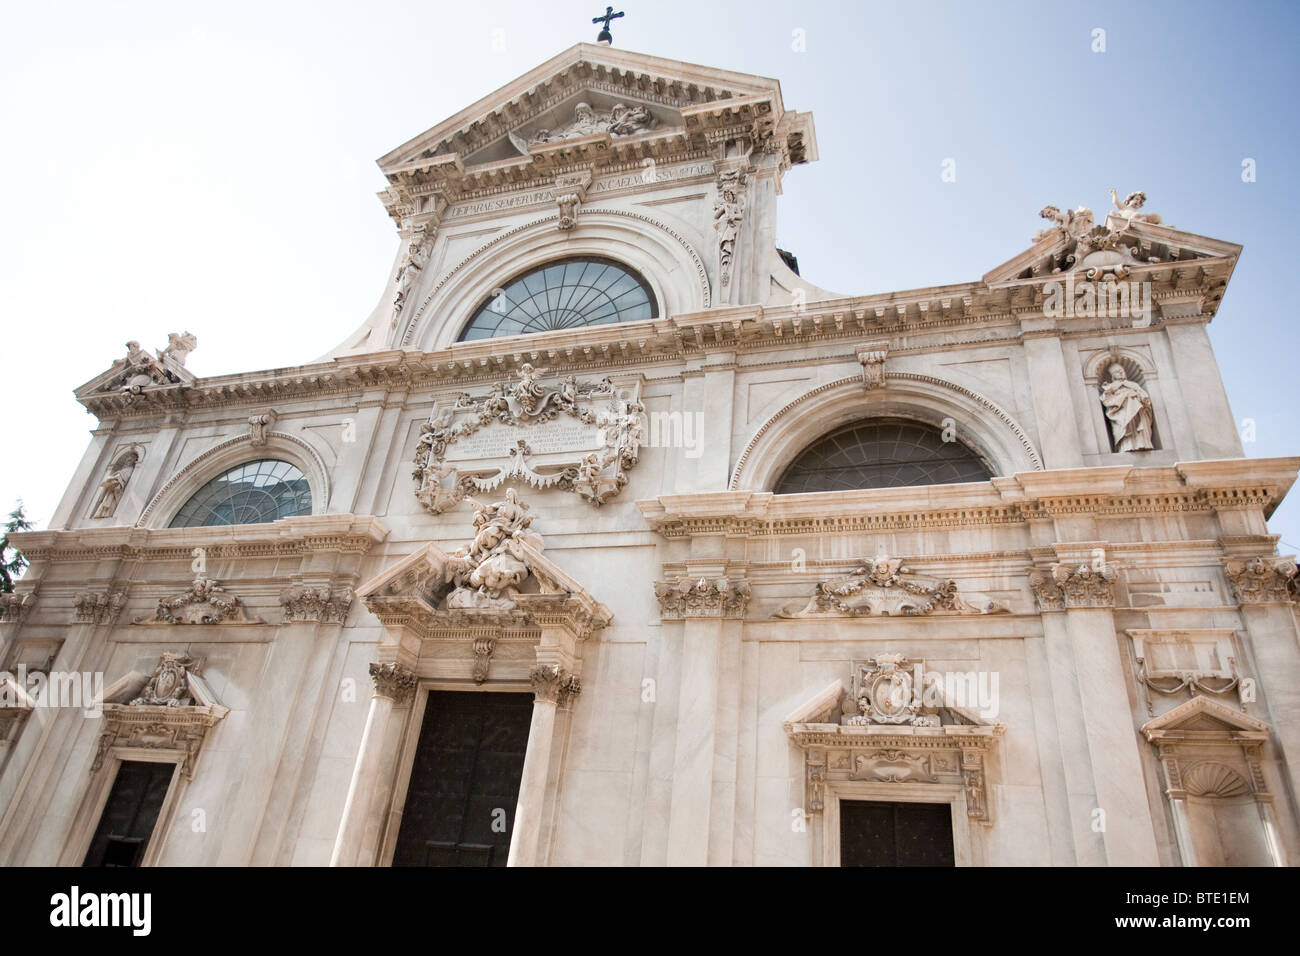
(321, 604)
(577, 436)
(897, 726)
(885, 587)
(173, 712)
(16, 605)
(98, 607)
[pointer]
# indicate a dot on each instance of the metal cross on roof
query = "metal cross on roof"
(604, 36)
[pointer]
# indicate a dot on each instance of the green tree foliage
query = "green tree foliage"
(12, 563)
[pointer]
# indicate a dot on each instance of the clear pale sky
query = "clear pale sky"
(210, 167)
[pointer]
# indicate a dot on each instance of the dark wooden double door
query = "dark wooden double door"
(460, 804)
(876, 833)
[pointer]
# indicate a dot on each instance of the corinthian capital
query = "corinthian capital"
(393, 681)
(702, 597)
(1264, 579)
(552, 682)
(1083, 585)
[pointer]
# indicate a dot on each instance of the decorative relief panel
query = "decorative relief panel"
(885, 587)
(578, 436)
(1183, 661)
(206, 602)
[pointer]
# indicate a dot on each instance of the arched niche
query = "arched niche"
(228, 454)
(1096, 373)
(666, 258)
(981, 425)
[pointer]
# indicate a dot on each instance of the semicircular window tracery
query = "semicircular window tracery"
(252, 493)
(565, 294)
(881, 453)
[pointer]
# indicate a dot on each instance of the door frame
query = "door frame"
(410, 741)
(953, 795)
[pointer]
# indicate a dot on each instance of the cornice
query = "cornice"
(743, 329)
(346, 534)
(1204, 487)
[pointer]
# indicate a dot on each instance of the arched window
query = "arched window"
(566, 294)
(253, 493)
(881, 454)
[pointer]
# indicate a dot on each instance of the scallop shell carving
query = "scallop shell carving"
(1214, 780)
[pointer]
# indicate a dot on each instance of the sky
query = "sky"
(210, 167)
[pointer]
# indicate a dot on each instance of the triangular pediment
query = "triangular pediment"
(1201, 715)
(594, 105)
(1138, 246)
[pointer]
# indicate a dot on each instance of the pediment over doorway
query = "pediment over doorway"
(500, 580)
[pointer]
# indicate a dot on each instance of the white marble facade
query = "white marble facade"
(699, 694)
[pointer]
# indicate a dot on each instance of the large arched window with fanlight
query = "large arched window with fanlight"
(252, 493)
(882, 453)
(565, 294)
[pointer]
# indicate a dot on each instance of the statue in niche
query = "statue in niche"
(114, 484)
(1128, 408)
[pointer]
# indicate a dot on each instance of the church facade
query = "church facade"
(609, 539)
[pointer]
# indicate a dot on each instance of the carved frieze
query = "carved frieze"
(1265, 579)
(98, 607)
(702, 597)
(393, 681)
(619, 120)
(323, 604)
(206, 602)
(577, 436)
(884, 586)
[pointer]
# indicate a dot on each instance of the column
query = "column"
(711, 607)
(552, 686)
(394, 685)
(1260, 586)
(1118, 778)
